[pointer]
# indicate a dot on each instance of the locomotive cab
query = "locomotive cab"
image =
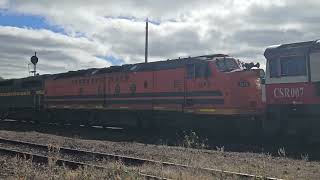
(242, 83)
(292, 85)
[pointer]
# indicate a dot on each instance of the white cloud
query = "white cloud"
(3, 4)
(56, 52)
(243, 28)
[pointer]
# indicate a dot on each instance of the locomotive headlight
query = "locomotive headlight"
(244, 83)
(258, 83)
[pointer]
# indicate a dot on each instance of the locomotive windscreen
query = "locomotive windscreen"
(227, 64)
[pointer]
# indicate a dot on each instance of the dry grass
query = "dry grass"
(22, 169)
(252, 163)
(19, 168)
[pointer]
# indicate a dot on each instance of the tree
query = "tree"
(1, 78)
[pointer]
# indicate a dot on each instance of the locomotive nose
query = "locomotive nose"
(248, 89)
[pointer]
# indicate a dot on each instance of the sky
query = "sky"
(77, 34)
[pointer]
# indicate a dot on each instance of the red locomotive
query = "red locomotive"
(148, 93)
(293, 88)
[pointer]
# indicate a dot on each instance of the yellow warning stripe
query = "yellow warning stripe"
(25, 93)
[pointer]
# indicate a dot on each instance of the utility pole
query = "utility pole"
(146, 44)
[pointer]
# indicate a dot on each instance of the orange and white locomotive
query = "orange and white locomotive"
(174, 91)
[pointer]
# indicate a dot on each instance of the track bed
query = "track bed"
(258, 164)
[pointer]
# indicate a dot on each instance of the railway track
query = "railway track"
(127, 160)
(44, 159)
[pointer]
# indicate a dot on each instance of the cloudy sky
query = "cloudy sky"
(70, 34)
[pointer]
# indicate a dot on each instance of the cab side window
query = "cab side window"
(202, 70)
(198, 70)
(293, 66)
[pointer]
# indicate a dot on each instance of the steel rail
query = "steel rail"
(127, 160)
(38, 158)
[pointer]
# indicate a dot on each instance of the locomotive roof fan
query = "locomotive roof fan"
(34, 60)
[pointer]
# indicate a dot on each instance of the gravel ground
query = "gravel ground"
(252, 163)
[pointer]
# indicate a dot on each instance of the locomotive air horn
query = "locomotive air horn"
(251, 65)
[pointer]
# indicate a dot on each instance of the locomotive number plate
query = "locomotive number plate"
(244, 84)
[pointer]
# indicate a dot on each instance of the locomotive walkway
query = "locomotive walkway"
(129, 161)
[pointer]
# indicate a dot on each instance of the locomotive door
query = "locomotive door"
(196, 82)
(189, 80)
